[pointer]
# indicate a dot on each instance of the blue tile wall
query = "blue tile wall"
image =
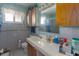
(69, 32)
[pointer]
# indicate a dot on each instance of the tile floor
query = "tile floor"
(19, 52)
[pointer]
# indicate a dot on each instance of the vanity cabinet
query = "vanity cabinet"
(31, 50)
(67, 14)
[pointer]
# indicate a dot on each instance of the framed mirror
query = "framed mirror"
(48, 18)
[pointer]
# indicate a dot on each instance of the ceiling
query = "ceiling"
(26, 5)
(50, 12)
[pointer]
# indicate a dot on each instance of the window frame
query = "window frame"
(22, 16)
(4, 21)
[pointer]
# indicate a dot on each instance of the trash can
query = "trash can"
(19, 43)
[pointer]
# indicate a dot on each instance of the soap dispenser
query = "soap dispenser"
(56, 40)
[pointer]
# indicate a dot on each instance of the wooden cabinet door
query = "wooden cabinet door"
(67, 14)
(31, 50)
(58, 16)
(67, 18)
(73, 16)
(77, 13)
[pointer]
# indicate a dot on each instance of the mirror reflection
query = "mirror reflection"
(48, 18)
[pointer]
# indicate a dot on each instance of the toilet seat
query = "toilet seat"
(24, 45)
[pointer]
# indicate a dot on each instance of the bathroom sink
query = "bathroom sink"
(34, 37)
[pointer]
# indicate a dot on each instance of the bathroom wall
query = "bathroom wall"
(0, 16)
(12, 32)
(69, 32)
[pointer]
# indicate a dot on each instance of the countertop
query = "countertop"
(45, 47)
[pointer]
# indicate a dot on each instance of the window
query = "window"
(43, 20)
(13, 16)
(18, 17)
(8, 15)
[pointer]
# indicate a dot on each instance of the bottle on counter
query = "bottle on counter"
(51, 39)
(72, 50)
(61, 49)
(65, 40)
(65, 45)
(66, 48)
(56, 39)
(61, 42)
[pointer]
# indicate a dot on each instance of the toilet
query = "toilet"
(23, 45)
